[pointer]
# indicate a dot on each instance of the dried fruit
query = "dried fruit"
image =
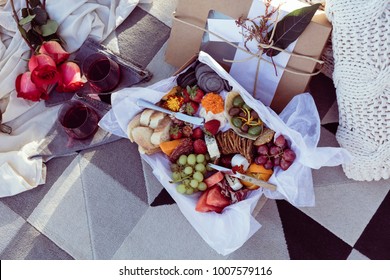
(184, 148)
(187, 131)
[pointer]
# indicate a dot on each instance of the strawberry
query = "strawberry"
(212, 126)
(186, 94)
(200, 146)
(192, 94)
(191, 107)
(196, 94)
(175, 132)
(197, 133)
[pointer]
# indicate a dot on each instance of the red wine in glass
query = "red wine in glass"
(78, 120)
(102, 73)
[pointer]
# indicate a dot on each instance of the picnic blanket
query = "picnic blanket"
(30, 122)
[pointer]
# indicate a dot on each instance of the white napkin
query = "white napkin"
(77, 20)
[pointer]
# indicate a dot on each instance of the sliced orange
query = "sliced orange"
(256, 168)
(259, 172)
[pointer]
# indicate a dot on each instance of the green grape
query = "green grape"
(200, 167)
(188, 170)
(191, 159)
(189, 191)
(183, 174)
(176, 176)
(181, 188)
(187, 182)
(202, 186)
(174, 167)
(194, 183)
(200, 158)
(198, 176)
(182, 160)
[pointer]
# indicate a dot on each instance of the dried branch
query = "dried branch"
(251, 30)
(17, 22)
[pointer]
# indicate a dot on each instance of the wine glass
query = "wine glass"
(79, 120)
(102, 73)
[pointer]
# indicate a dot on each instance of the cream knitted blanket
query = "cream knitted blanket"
(361, 44)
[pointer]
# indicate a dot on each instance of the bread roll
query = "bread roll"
(161, 133)
(156, 119)
(132, 124)
(149, 151)
(145, 117)
(142, 135)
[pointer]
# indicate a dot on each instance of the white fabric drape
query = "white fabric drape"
(30, 121)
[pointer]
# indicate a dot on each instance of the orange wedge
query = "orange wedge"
(259, 172)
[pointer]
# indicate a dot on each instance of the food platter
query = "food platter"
(228, 210)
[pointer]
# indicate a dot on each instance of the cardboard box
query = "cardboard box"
(185, 41)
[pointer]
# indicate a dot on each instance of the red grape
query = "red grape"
(284, 164)
(274, 151)
(280, 141)
(277, 161)
(269, 164)
(262, 150)
(261, 160)
(289, 155)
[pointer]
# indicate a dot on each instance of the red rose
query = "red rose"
(55, 51)
(43, 70)
(26, 89)
(70, 77)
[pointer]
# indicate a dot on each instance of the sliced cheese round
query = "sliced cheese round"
(238, 160)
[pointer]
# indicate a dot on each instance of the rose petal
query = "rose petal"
(40, 60)
(55, 51)
(70, 77)
(26, 89)
(44, 75)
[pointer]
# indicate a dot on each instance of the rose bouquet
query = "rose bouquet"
(48, 65)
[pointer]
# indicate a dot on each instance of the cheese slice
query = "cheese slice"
(212, 146)
(233, 182)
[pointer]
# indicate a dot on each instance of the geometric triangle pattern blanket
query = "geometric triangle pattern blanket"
(105, 203)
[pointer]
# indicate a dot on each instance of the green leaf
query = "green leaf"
(22, 31)
(40, 16)
(26, 20)
(291, 27)
(49, 28)
(34, 3)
